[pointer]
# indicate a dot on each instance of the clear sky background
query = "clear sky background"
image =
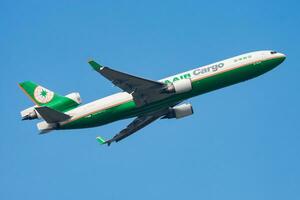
(241, 143)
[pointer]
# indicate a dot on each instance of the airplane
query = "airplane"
(143, 99)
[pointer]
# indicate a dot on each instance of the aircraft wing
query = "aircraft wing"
(137, 124)
(144, 91)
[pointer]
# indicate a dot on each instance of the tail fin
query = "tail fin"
(43, 97)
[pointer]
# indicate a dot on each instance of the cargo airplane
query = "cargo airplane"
(143, 99)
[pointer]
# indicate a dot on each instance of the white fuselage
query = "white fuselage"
(194, 74)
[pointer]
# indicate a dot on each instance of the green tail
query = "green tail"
(43, 97)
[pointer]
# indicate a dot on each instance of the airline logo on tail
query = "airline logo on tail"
(43, 95)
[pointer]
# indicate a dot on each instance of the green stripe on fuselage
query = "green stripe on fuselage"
(208, 84)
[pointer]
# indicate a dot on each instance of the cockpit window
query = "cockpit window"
(273, 52)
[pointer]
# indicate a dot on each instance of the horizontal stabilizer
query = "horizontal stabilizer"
(50, 115)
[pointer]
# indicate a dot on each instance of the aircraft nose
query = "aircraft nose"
(281, 57)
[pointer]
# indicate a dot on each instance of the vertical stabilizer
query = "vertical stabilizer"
(42, 96)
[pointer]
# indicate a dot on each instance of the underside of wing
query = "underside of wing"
(137, 124)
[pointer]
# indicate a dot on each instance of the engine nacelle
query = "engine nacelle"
(181, 86)
(75, 96)
(180, 111)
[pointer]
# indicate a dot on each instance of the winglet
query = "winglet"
(100, 140)
(95, 65)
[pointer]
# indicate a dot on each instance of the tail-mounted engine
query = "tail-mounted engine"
(75, 96)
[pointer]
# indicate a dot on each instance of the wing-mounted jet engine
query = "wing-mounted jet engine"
(180, 86)
(179, 111)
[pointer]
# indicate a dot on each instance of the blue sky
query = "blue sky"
(241, 143)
